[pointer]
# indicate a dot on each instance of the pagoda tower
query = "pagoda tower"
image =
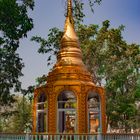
(69, 102)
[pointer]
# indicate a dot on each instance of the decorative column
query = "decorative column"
(52, 113)
(82, 112)
(34, 111)
(101, 92)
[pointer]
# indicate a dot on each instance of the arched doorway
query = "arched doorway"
(94, 112)
(42, 113)
(66, 112)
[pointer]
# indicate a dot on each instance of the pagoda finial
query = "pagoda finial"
(69, 8)
(70, 53)
(69, 14)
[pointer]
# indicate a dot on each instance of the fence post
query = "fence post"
(27, 136)
(99, 135)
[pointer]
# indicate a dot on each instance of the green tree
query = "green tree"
(78, 9)
(113, 64)
(20, 118)
(14, 25)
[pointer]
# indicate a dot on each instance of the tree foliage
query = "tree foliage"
(14, 25)
(78, 9)
(113, 64)
(20, 118)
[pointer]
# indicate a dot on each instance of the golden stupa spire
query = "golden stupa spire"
(69, 32)
(69, 63)
(69, 8)
(69, 12)
(70, 53)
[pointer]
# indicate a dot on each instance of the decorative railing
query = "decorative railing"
(13, 136)
(117, 136)
(98, 136)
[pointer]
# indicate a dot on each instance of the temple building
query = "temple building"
(69, 102)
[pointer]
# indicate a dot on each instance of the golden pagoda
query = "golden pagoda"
(70, 102)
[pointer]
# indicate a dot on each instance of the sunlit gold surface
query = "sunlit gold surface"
(69, 73)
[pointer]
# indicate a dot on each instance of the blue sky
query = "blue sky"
(50, 13)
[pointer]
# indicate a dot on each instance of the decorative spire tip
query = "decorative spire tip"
(69, 9)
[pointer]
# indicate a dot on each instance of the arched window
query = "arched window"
(67, 112)
(94, 113)
(42, 113)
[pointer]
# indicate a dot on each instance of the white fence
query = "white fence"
(98, 136)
